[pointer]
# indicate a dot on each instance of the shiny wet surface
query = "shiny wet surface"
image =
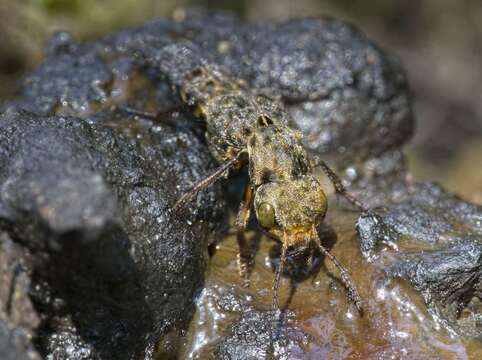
(317, 319)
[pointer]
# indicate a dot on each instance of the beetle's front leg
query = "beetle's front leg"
(207, 182)
(277, 276)
(245, 256)
(167, 116)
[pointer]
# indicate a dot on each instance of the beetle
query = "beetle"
(247, 127)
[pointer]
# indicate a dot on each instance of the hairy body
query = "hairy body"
(245, 126)
(239, 120)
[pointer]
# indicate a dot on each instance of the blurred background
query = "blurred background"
(438, 41)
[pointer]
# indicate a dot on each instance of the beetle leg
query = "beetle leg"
(205, 183)
(338, 185)
(17, 269)
(277, 277)
(310, 263)
(140, 113)
(245, 256)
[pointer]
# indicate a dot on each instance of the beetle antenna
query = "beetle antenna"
(344, 275)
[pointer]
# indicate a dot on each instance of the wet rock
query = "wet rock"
(354, 99)
(49, 186)
(114, 269)
(372, 230)
(449, 280)
(447, 268)
(14, 345)
(50, 87)
(346, 95)
(429, 215)
(15, 302)
(18, 319)
(254, 333)
(317, 320)
(349, 98)
(255, 337)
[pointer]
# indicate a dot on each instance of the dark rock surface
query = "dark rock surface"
(252, 337)
(438, 238)
(14, 345)
(113, 269)
(254, 333)
(450, 282)
(18, 319)
(428, 214)
(318, 321)
(347, 96)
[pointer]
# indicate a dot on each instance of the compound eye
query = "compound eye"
(266, 215)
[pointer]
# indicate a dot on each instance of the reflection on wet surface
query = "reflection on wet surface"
(318, 321)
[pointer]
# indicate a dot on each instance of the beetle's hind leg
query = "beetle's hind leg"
(245, 255)
(345, 277)
(338, 185)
